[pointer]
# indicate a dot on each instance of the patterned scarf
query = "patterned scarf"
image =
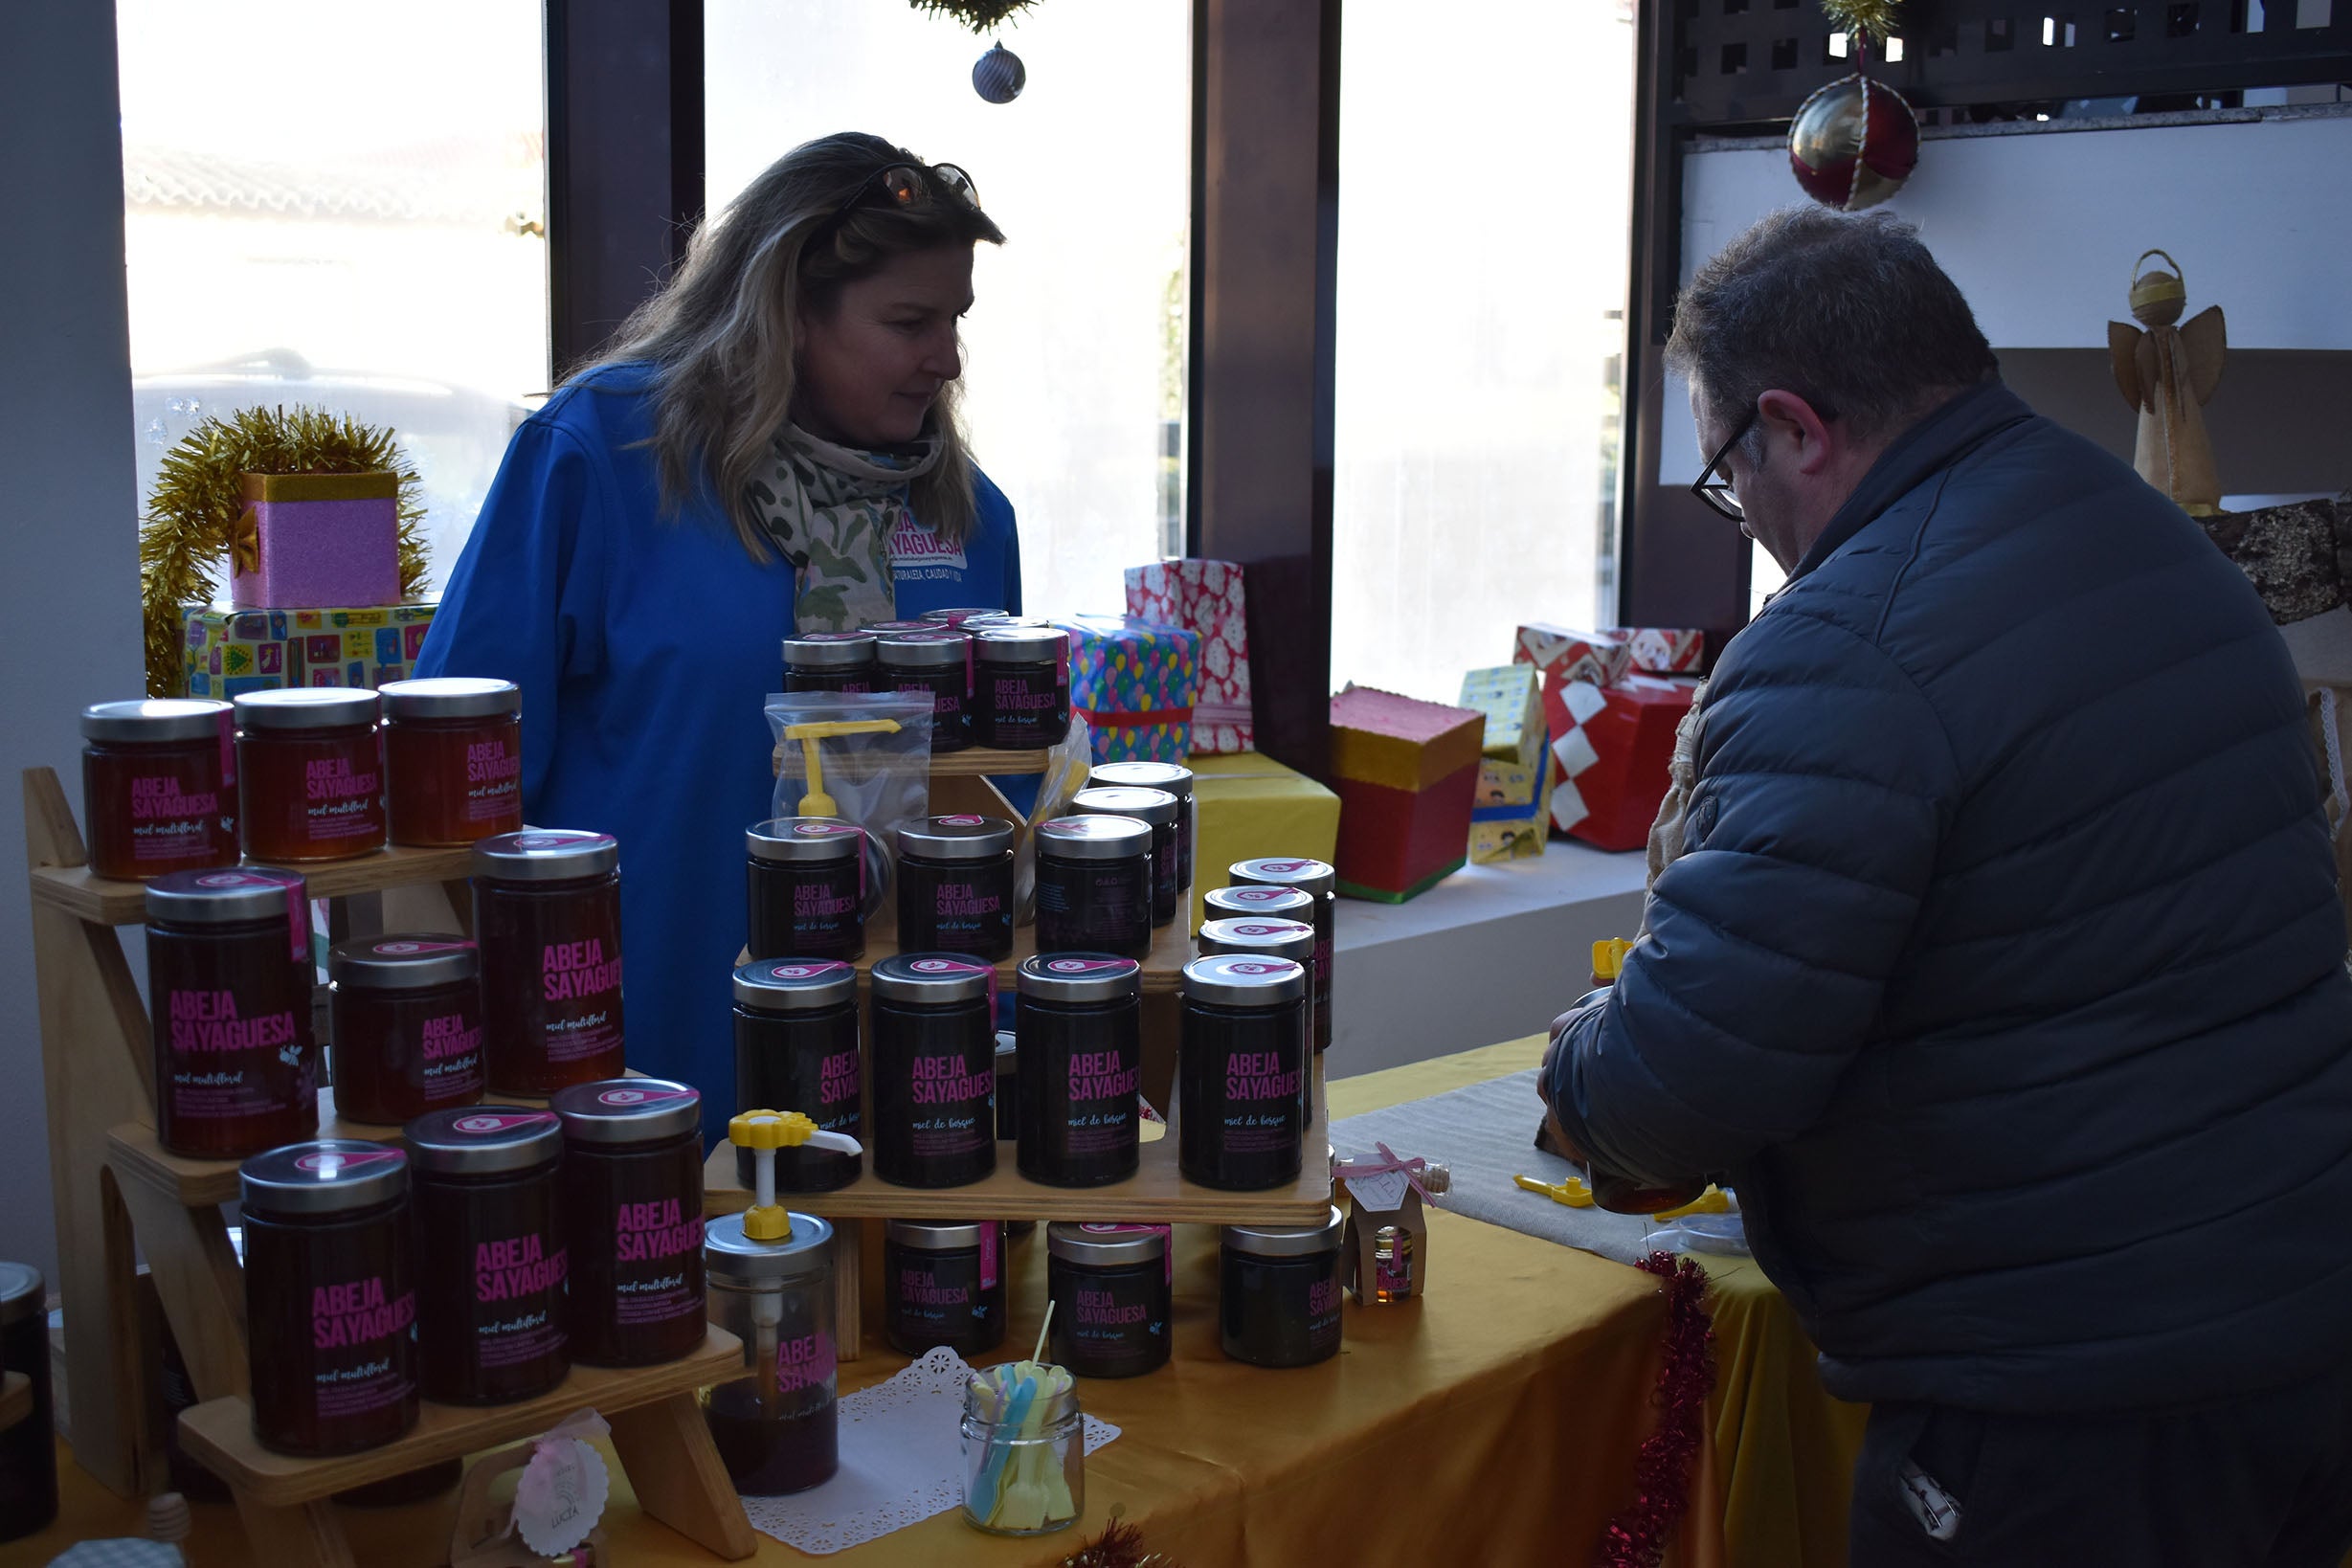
(832, 509)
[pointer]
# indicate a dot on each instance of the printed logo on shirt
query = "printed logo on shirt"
(919, 555)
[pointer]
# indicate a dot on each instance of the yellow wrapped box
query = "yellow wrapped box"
(1251, 807)
(1511, 699)
(1507, 783)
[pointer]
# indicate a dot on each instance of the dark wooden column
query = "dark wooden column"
(624, 160)
(1264, 233)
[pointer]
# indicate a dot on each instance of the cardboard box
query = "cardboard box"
(313, 541)
(1614, 752)
(1135, 681)
(1511, 698)
(1562, 654)
(228, 651)
(1382, 1198)
(1205, 599)
(1252, 807)
(1664, 650)
(1406, 773)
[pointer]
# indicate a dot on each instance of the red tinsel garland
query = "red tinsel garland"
(1636, 1537)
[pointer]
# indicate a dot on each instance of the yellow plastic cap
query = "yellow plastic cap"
(1610, 957)
(773, 1224)
(769, 1129)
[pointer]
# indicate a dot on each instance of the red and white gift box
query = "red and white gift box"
(1664, 650)
(1596, 657)
(1205, 599)
(1615, 749)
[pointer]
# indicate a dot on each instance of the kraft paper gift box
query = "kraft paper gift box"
(1511, 698)
(1406, 773)
(361, 646)
(229, 650)
(1614, 748)
(1134, 681)
(1561, 654)
(1251, 808)
(1385, 1193)
(1205, 599)
(314, 540)
(1664, 650)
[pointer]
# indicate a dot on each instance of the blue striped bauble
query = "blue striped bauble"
(1000, 77)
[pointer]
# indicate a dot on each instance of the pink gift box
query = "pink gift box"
(1664, 650)
(315, 540)
(1599, 657)
(1205, 599)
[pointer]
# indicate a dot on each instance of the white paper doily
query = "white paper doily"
(902, 1461)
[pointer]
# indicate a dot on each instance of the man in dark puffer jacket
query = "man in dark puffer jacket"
(2003, 969)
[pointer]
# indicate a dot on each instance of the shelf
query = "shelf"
(106, 902)
(1172, 949)
(980, 762)
(1155, 1193)
(219, 1432)
(133, 1150)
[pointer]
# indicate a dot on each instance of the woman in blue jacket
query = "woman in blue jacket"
(770, 444)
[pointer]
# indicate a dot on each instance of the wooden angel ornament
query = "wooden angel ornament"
(2168, 374)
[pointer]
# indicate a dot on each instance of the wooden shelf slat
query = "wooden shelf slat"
(219, 1432)
(1157, 1194)
(107, 901)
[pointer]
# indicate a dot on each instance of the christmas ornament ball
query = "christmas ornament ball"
(1000, 77)
(1853, 143)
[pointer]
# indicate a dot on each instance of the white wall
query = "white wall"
(2039, 230)
(68, 505)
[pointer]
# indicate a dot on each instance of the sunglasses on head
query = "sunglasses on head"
(903, 185)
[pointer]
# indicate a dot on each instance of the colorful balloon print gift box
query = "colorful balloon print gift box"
(1407, 775)
(315, 541)
(228, 652)
(360, 647)
(1135, 681)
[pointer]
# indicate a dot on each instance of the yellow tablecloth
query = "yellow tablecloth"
(1784, 1449)
(1493, 1422)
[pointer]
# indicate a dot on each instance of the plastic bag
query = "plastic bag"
(878, 779)
(1067, 767)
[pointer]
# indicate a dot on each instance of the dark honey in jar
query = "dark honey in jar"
(632, 1219)
(546, 912)
(490, 1252)
(228, 998)
(407, 1016)
(159, 787)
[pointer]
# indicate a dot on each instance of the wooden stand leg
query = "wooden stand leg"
(199, 1280)
(96, 1074)
(305, 1535)
(666, 1449)
(848, 1289)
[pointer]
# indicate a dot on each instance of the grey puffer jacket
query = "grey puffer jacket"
(2004, 971)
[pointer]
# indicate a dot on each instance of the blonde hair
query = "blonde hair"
(720, 341)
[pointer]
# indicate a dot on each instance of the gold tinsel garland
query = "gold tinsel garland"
(191, 516)
(1872, 18)
(979, 16)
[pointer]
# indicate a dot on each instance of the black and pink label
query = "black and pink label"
(170, 823)
(953, 1103)
(451, 1045)
(1101, 1104)
(583, 974)
(229, 1061)
(651, 1243)
(518, 1291)
(342, 799)
(356, 1326)
(804, 1362)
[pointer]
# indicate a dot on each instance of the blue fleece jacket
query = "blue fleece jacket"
(645, 647)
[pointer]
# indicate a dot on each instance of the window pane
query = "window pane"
(340, 206)
(1074, 350)
(1483, 155)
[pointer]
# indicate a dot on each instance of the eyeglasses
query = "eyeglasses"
(910, 184)
(1718, 493)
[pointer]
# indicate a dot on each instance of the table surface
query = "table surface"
(1524, 1359)
(1784, 1449)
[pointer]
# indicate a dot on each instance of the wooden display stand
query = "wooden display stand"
(110, 1178)
(1157, 1194)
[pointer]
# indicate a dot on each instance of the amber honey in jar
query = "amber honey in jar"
(229, 998)
(310, 773)
(632, 1219)
(546, 912)
(159, 786)
(453, 749)
(406, 1025)
(490, 1253)
(330, 1297)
